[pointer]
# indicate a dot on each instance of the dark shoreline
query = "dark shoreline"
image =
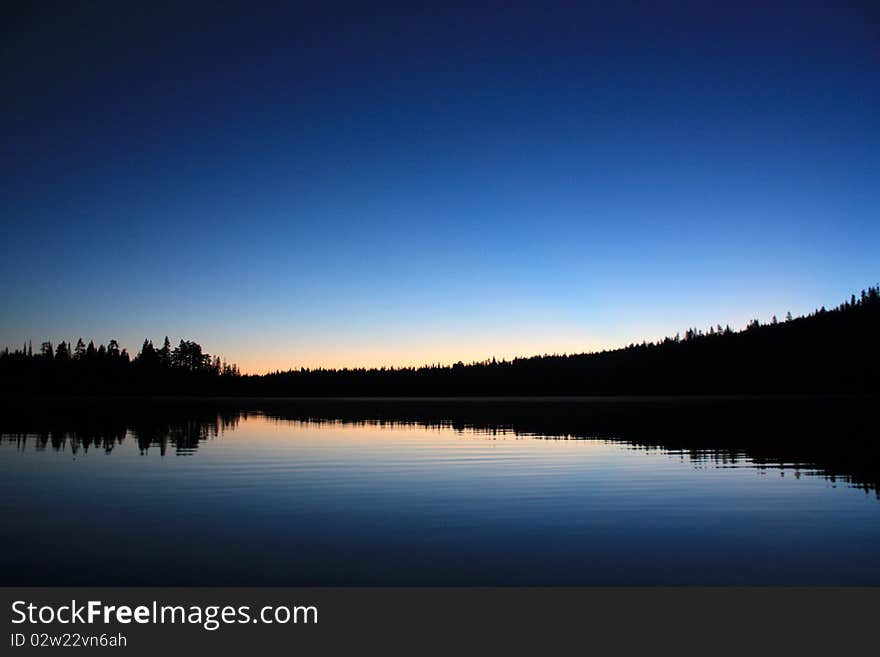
(8, 399)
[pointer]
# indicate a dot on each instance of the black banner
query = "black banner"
(142, 621)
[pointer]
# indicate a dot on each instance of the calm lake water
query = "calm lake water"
(352, 496)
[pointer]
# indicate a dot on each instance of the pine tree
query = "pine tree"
(165, 353)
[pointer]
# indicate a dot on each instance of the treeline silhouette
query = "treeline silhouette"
(87, 369)
(827, 351)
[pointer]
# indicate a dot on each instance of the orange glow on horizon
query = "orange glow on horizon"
(378, 357)
(467, 345)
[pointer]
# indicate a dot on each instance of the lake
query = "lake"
(440, 492)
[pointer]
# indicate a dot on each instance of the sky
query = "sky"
(370, 184)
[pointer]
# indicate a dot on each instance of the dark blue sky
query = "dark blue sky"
(365, 185)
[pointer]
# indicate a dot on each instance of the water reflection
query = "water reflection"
(832, 437)
(440, 492)
(161, 429)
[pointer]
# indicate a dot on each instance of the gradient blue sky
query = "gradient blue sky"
(373, 184)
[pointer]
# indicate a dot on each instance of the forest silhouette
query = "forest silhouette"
(828, 351)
